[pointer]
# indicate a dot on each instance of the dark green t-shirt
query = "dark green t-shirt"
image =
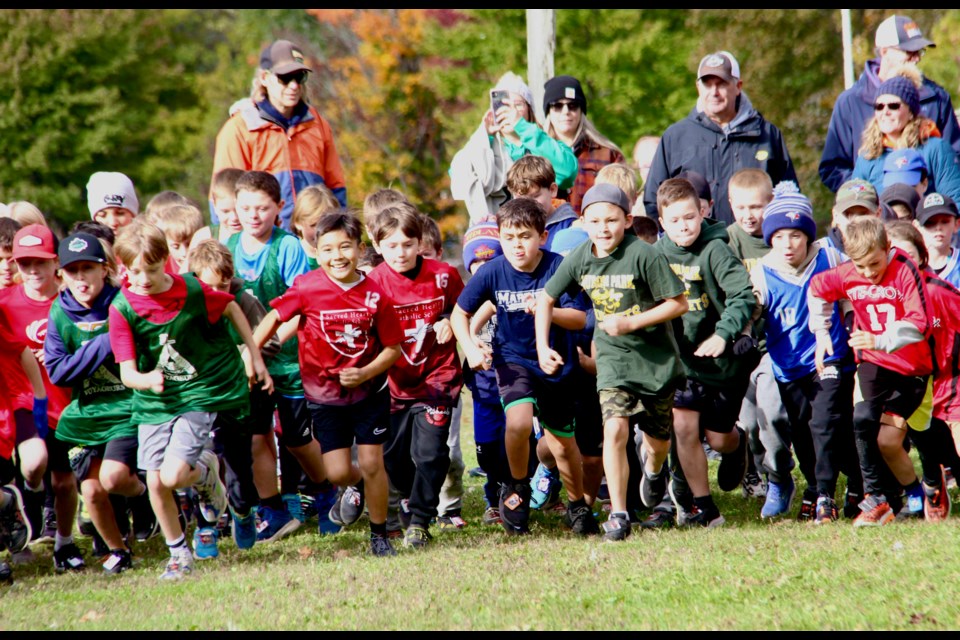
(632, 280)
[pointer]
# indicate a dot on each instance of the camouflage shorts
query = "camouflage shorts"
(651, 414)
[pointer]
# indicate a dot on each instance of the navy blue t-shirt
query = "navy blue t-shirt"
(515, 338)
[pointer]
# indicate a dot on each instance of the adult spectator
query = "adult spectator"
(899, 124)
(565, 108)
(720, 136)
(643, 153)
(276, 131)
(898, 41)
(478, 172)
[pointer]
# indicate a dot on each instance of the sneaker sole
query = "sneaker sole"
(21, 509)
(886, 519)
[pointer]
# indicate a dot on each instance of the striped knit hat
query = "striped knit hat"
(789, 209)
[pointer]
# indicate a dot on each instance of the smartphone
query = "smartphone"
(499, 98)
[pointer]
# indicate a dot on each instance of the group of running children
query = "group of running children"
(158, 368)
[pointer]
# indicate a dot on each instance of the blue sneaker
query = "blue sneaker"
(244, 529)
(779, 498)
(544, 488)
(275, 524)
(205, 543)
(323, 502)
(294, 506)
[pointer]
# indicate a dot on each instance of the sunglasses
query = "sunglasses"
(572, 107)
(892, 106)
(287, 78)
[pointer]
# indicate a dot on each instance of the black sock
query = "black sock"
(573, 504)
(275, 502)
(704, 503)
(378, 529)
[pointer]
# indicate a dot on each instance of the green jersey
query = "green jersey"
(202, 369)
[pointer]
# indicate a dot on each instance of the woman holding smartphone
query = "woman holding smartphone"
(478, 173)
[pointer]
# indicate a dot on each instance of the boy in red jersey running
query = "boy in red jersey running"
(348, 338)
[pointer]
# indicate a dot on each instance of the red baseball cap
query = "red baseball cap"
(34, 241)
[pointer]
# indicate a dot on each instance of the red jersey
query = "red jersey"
(427, 371)
(10, 350)
(340, 327)
(945, 331)
(27, 320)
(899, 296)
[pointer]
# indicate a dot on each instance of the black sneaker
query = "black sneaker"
(652, 488)
(118, 561)
(733, 465)
(145, 524)
(581, 521)
(15, 528)
(49, 534)
(617, 528)
(6, 573)
(380, 546)
(68, 558)
(416, 537)
(707, 519)
(808, 507)
(659, 519)
(851, 505)
(515, 508)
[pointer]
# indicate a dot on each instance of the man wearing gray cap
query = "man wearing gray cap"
(721, 135)
(898, 41)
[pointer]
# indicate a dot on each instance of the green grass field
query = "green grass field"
(748, 574)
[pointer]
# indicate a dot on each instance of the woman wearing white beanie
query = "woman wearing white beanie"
(478, 173)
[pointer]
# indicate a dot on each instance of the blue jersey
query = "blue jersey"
(790, 343)
(951, 271)
(511, 291)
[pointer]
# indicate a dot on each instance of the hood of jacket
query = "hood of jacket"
(747, 119)
(563, 211)
(98, 311)
(868, 83)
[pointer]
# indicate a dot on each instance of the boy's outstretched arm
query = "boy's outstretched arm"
(667, 310)
(133, 379)
(352, 376)
(267, 327)
(477, 356)
(550, 360)
(253, 360)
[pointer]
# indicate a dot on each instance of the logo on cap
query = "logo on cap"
(713, 61)
(296, 55)
(857, 188)
(901, 162)
(912, 29)
(77, 245)
(570, 92)
(932, 200)
(30, 241)
(113, 199)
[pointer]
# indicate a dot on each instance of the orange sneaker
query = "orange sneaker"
(936, 501)
(875, 512)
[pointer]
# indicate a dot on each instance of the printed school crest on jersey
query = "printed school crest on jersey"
(416, 321)
(37, 330)
(347, 330)
(173, 365)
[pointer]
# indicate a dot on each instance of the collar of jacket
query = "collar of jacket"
(256, 119)
(746, 123)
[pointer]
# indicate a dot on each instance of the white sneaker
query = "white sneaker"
(179, 565)
(212, 493)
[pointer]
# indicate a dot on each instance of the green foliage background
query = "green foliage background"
(145, 91)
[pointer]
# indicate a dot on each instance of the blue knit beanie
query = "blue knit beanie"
(789, 209)
(904, 89)
(481, 242)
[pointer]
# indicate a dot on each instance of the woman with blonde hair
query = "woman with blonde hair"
(277, 131)
(565, 109)
(898, 123)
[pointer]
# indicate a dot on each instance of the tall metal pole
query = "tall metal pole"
(847, 48)
(541, 43)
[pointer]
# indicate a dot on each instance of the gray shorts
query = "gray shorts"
(184, 438)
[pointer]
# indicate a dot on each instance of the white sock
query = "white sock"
(33, 489)
(60, 541)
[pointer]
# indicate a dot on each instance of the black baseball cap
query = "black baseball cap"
(79, 247)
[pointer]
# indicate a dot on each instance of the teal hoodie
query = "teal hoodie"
(720, 297)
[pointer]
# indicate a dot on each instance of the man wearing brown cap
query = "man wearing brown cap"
(720, 136)
(276, 131)
(898, 41)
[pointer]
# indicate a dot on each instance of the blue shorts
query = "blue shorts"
(489, 421)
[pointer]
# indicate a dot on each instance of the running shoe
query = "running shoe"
(936, 500)
(912, 508)
(210, 490)
(416, 537)
(826, 511)
(179, 565)
(659, 519)
(779, 498)
(244, 529)
(380, 546)
(15, 529)
(808, 506)
(49, 533)
(515, 508)
(491, 516)
(451, 522)
(68, 558)
(616, 528)
(544, 487)
(875, 512)
(652, 488)
(118, 561)
(733, 465)
(322, 504)
(275, 524)
(581, 521)
(707, 518)
(294, 506)
(205, 543)
(348, 508)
